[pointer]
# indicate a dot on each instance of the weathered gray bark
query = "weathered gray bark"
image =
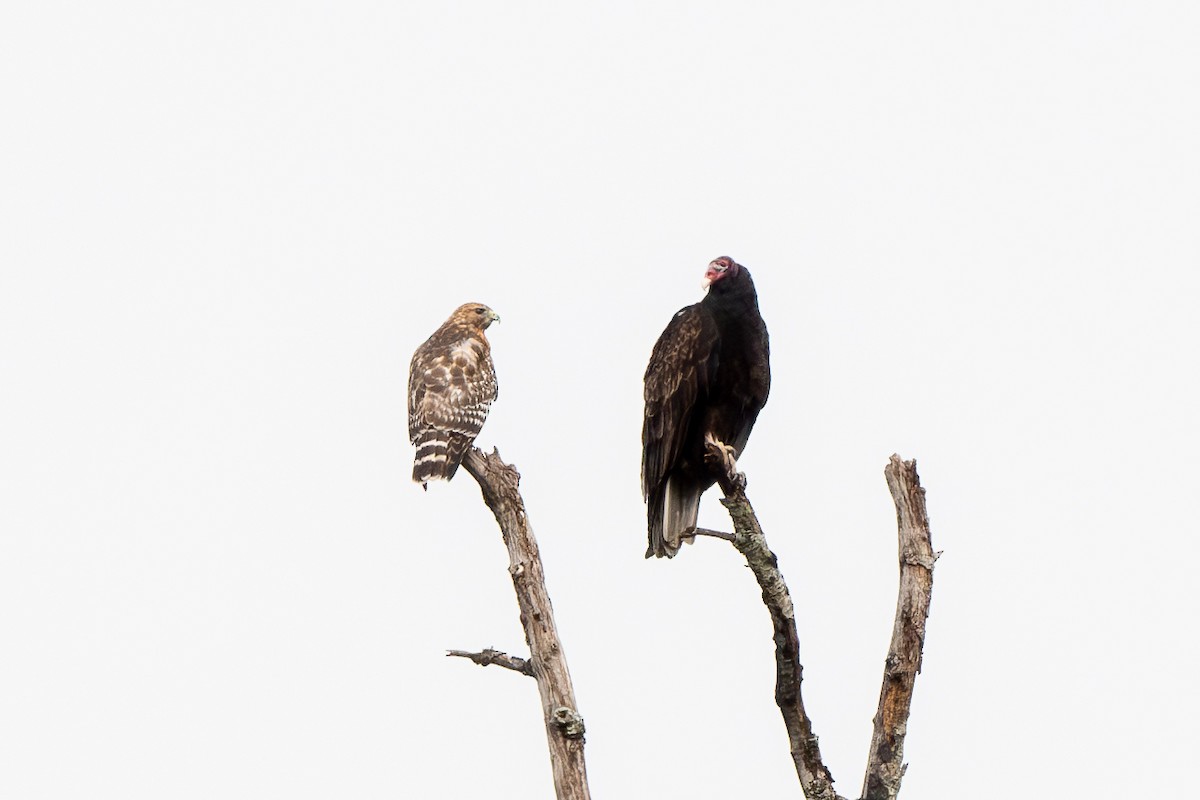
(488, 656)
(885, 760)
(748, 538)
(884, 764)
(547, 663)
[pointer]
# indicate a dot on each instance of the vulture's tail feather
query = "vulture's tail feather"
(671, 512)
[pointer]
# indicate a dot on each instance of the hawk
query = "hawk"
(708, 378)
(451, 386)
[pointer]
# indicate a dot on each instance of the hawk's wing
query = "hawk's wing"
(450, 387)
(682, 364)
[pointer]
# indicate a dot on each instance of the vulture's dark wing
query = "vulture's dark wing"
(681, 368)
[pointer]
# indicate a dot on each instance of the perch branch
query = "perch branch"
(885, 766)
(488, 656)
(748, 538)
(729, 537)
(564, 726)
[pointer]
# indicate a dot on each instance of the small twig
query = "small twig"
(885, 761)
(729, 537)
(488, 656)
(748, 538)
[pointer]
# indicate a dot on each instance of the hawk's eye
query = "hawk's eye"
(479, 311)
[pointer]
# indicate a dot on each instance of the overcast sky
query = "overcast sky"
(224, 228)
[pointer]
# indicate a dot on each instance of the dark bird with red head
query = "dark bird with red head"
(708, 378)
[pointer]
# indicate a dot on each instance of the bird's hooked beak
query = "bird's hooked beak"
(711, 274)
(493, 317)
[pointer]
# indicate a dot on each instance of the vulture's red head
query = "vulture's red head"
(720, 269)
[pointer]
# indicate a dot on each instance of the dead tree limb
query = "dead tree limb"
(488, 656)
(564, 725)
(748, 538)
(885, 761)
(885, 765)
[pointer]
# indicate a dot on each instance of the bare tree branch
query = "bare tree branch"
(564, 726)
(488, 656)
(710, 532)
(748, 538)
(885, 766)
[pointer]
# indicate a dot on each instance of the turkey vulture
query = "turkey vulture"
(708, 378)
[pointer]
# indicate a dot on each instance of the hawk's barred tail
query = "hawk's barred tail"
(438, 455)
(430, 461)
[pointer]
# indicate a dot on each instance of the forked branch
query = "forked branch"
(885, 762)
(564, 726)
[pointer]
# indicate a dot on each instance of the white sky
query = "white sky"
(226, 226)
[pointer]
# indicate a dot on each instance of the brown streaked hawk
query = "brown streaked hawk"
(451, 386)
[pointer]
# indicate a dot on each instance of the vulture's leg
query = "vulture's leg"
(723, 458)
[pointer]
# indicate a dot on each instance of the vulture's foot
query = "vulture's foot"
(723, 458)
